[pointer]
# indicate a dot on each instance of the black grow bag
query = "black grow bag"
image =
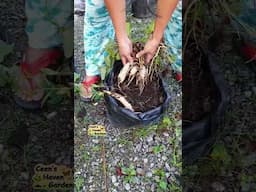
(143, 8)
(122, 117)
(198, 137)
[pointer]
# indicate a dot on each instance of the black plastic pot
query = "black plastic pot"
(143, 8)
(122, 117)
(198, 137)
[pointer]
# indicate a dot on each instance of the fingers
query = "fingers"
(148, 57)
(124, 61)
(141, 53)
(130, 59)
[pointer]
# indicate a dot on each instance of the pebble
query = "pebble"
(127, 186)
(34, 139)
(167, 167)
(248, 94)
(140, 171)
(149, 174)
(113, 179)
(116, 184)
(24, 176)
(95, 141)
(149, 139)
(90, 180)
(164, 158)
(145, 161)
(218, 187)
(173, 169)
(138, 147)
(51, 115)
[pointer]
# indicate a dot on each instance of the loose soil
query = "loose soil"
(199, 91)
(152, 95)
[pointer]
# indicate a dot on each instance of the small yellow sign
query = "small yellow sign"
(97, 130)
(52, 177)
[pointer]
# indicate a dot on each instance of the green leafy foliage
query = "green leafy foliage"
(55, 93)
(79, 183)
(96, 95)
(129, 173)
(161, 180)
(112, 56)
(76, 83)
(158, 149)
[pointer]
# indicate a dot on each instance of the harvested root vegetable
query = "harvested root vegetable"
(132, 74)
(124, 72)
(121, 99)
(143, 72)
(142, 78)
(133, 71)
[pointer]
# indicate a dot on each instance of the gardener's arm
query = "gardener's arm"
(117, 13)
(164, 12)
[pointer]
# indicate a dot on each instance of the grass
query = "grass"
(129, 173)
(79, 183)
(158, 149)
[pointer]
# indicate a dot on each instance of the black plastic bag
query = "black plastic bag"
(198, 137)
(122, 117)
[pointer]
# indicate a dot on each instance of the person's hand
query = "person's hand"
(125, 50)
(149, 50)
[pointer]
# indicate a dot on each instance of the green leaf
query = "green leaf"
(103, 72)
(118, 57)
(133, 172)
(128, 28)
(158, 149)
(163, 185)
(76, 77)
(167, 121)
(108, 61)
(150, 28)
(220, 153)
(5, 49)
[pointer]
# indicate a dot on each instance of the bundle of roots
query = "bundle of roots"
(139, 70)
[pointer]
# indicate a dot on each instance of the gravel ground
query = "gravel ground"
(154, 153)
